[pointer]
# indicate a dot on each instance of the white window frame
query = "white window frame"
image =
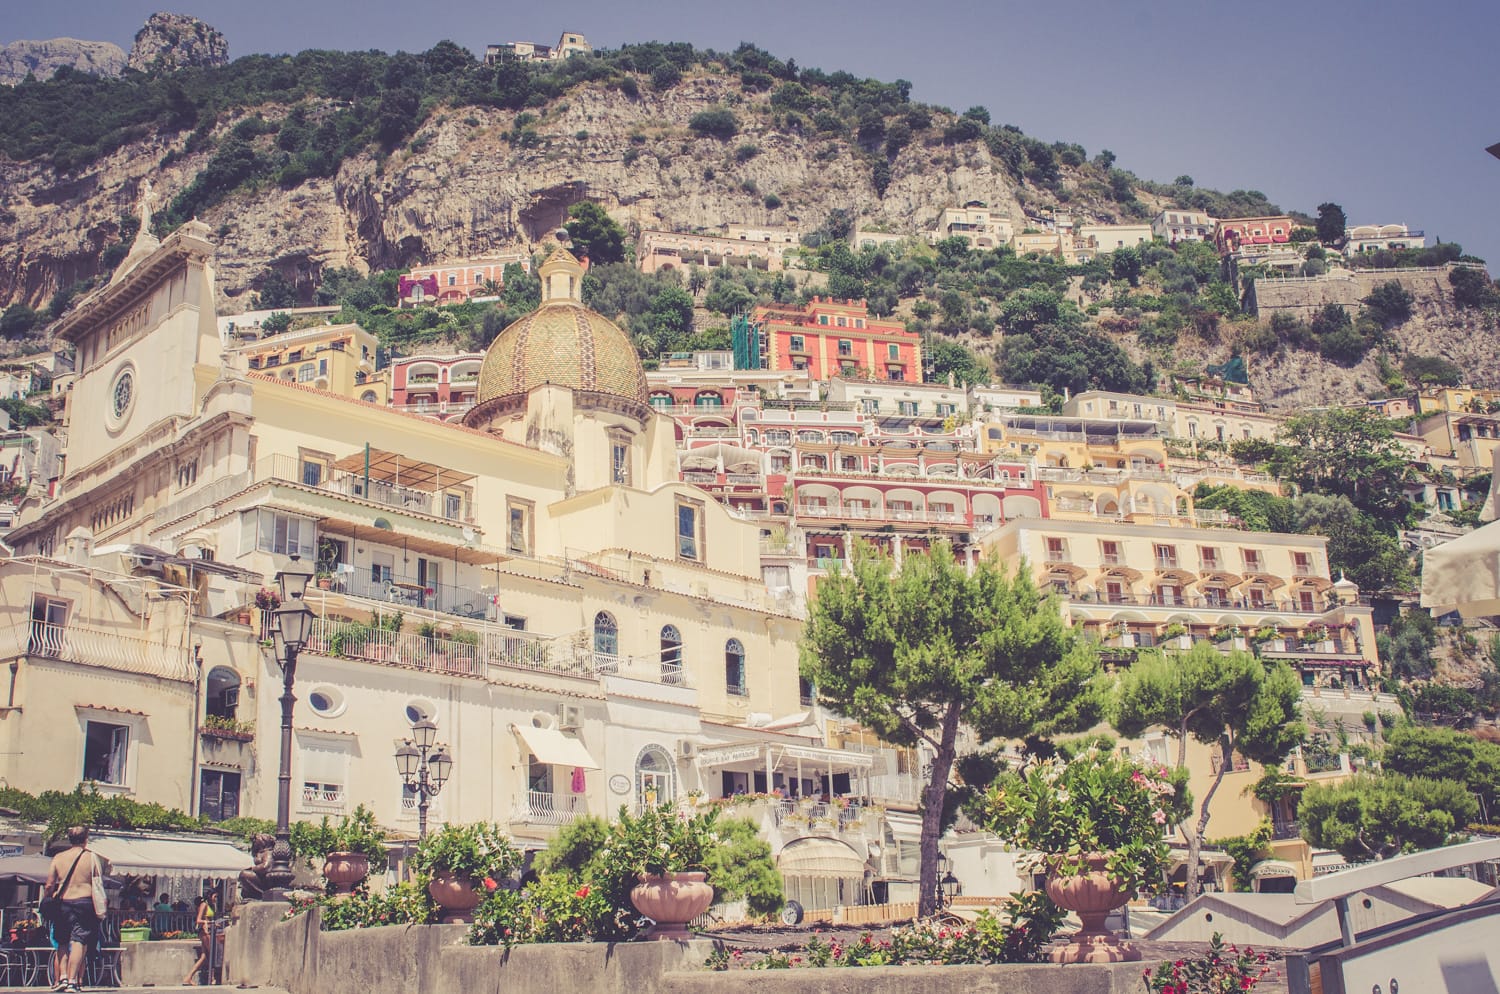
(134, 725)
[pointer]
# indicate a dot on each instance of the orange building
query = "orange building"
(830, 338)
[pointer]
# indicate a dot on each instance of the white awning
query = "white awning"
(1272, 868)
(550, 746)
(819, 857)
(189, 858)
(1464, 574)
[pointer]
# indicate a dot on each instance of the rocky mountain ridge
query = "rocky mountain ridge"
(475, 179)
(164, 43)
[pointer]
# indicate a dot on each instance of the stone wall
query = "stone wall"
(433, 959)
(1302, 296)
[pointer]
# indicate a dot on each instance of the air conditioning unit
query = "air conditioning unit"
(686, 749)
(568, 717)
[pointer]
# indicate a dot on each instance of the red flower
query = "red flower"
(489, 883)
(582, 891)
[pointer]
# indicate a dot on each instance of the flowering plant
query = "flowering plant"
(135, 923)
(1223, 970)
(663, 839)
(1097, 803)
(402, 904)
(474, 853)
(267, 599)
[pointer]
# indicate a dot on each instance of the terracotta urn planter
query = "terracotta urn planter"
(345, 870)
(672, 900)
(1092, 896)
(456, 896)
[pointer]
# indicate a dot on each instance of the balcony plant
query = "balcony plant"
(267, 599)
(220, 727)
(666, 849)
(1098, 824)
(135, 930)
(457, 859)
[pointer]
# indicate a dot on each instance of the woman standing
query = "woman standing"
(205, 926)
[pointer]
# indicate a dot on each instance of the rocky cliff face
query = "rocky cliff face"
(43, 58)
(177, 41)
(465, 186)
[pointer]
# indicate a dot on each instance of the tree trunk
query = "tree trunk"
(1195, 840)
(933, 796)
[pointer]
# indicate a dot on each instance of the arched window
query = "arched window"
(734, 668)
(671, 655)
(368, 396)
(653, 777)
(223, 692)
(606, 641)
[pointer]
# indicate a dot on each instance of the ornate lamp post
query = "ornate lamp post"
(424, 768)
(293, 624)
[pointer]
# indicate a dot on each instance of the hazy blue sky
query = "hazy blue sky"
(1383, 107)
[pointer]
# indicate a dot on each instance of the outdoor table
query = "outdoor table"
(38, 966)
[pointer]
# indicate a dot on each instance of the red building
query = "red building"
(838, 338)
(1232, 234)
(438, 386)
(458, 280)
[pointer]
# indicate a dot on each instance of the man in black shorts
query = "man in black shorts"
(73, 871)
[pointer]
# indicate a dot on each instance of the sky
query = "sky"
(1382, 107)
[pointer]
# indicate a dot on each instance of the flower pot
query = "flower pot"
(1092, 896)
(456, 896)
(672, 900)
(135, 934)
(345, 870)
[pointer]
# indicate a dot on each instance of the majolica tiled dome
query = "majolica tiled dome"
(562, 342)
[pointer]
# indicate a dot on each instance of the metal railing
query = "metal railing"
(471, 655)
(389, 494)
(111, 649)
(323, 801)
(404, 592)
(538, 807)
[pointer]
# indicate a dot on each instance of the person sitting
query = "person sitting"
(163, 903)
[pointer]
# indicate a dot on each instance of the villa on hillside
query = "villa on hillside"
(569, 43)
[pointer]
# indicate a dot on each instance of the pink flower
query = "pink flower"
(1137, 777)
(1159, 816)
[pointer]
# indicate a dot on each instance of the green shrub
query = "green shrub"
(717, 122)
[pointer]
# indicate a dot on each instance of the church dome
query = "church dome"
(562, 343)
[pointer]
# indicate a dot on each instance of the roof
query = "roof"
(562, 342)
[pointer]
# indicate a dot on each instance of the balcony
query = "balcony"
(540, 807)
(107, 648)
(855, 512)
(465, 653)
(1286, 829)
(323, 801)
(393, 481)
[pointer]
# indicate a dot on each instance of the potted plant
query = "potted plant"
(324, 578)
(267, 599)
(135, 930)
(457, 859)
(665, 848)
(217, 726)
(1098, 824)
(349, 851)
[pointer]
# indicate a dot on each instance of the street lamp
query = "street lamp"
(424, 768)
(947, 885)
(289, 632)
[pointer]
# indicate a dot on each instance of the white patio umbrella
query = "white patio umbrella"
(1464, 574)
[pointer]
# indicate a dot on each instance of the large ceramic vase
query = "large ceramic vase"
(1091, 895)
(345, 870)
(456, 896)
(672, 900)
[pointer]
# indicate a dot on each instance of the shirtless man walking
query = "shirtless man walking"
(78, 924)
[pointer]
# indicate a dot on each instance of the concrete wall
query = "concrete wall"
(1303, 296)
(432, 959)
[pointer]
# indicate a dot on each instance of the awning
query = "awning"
(1272, 868)
(31, 868)
(820, 858)
(1464, 574)
(190, 858)
(550, 746)
(404, 471)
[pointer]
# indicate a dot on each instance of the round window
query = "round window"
(326, 702)
(122, 394)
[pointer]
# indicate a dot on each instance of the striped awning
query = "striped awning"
(819, 857)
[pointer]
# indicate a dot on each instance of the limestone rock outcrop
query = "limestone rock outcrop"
(43, 58)
(177, 41)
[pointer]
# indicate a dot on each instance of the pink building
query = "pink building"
(459, 280)
(438, 386)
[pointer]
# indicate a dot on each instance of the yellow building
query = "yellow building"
(339, 358)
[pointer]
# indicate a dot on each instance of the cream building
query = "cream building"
(975, 223)
(336, 357)
(586, 630)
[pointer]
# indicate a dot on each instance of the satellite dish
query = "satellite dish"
(469, 535)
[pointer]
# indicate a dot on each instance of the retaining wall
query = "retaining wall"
(433, 959)
(1302, 296)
